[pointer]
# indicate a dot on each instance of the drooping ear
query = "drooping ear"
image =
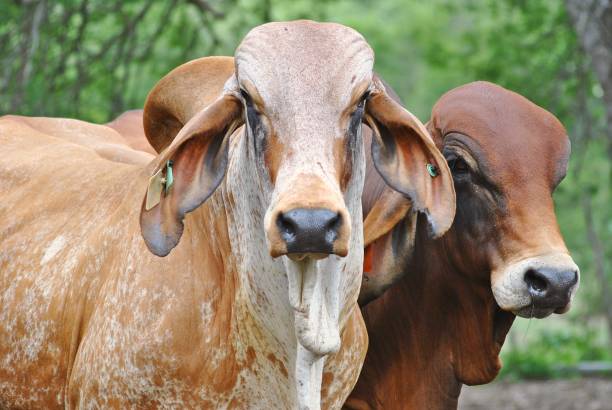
(386, 258)
(188, 172)
(389, 229)
(388, 211)
(407, 159)
(181, 94)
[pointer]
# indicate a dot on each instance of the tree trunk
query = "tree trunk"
(29, 47)
(592, 20)
(599, 259)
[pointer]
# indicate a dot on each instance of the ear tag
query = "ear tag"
(433, 170)
(157, 183)
(154, 190)
(169, 176)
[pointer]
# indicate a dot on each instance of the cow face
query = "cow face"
(507, 155)
(302, 90)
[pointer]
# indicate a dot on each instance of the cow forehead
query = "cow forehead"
(518, 140)
(304, 64)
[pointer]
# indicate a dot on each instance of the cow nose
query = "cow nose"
(550, 288)
(309, 230)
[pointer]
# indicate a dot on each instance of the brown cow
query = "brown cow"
(255, 301)
(443, 324)
(129, 126)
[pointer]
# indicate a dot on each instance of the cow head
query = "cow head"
(507, 156)
(295, 173)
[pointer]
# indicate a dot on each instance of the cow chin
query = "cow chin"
(313, 295)
(511, 290)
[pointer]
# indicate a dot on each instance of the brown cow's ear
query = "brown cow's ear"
(405, 156)
(387, 212)
(386, 258)
(198, 157)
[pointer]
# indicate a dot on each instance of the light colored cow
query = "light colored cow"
(129, 126)
(255, 307)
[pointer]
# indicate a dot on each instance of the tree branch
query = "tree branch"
(204, 7)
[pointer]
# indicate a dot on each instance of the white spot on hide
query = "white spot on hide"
(54, 247)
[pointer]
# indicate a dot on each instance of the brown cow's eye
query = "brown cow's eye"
(357, 115)
(459, 168)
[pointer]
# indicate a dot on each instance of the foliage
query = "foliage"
(555, 354)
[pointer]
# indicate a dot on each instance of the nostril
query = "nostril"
(332, 227)
(535, 281)
(574, 279)
(287, 227)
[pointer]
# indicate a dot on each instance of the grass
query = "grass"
(554, 348)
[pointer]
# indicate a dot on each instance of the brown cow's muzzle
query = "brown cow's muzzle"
(537, 286)
(551, 288)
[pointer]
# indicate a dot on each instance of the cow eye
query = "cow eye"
(360, 107)
(254, 122)
(363, 99)
(357, 115)
(245, 96)
(458, 167)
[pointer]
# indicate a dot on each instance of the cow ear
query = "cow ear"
(386, 258)
(390, 208)
(407, 159)
(188, 172)
(181, 94)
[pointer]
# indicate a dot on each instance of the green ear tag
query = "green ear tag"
(433, 170)
(169, 176)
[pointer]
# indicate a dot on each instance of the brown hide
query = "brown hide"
(105, 141)
(76, 289)
(129, 125)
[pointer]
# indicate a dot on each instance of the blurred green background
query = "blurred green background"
(93, 59)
